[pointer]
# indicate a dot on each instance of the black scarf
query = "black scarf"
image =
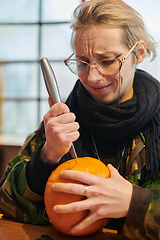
(126, 120)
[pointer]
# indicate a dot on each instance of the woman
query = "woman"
(111, 114)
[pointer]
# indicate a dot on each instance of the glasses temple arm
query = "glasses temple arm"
(68, 58)
(123, 59)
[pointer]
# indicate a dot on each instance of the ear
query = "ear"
(141, 51)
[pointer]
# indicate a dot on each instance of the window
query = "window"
(31, 30)
(149, 10)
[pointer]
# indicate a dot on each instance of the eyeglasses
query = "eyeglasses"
(105, 66)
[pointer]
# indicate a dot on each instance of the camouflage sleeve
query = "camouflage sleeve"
(16, 198)
(143, 219)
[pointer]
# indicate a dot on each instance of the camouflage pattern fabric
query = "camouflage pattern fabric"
(19, 202)
(16, 199)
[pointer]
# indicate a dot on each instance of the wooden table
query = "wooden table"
(12, 230)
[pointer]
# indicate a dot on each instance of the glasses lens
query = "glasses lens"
(108, 67)
(78, 67)
(72, 66)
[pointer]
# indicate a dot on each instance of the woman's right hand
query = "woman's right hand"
(61, 130)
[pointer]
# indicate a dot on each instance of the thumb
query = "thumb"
(50, 102)
(113, 171)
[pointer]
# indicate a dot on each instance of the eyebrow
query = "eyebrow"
(104, 54)
(104, 57)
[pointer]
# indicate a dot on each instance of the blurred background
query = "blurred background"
(32, 29)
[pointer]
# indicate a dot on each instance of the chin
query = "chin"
(107, 101)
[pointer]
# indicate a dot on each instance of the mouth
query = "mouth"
(100, 89)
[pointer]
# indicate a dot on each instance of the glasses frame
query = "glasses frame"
(121, 61)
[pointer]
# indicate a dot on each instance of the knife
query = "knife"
(53, 90)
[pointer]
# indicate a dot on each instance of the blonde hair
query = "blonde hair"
(114, 14)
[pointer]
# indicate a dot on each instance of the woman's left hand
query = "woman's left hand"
(106, 198)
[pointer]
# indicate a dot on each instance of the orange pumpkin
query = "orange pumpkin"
(65, 221)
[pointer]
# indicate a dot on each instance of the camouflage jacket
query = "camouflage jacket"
(18, 201)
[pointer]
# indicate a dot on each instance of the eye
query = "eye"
(81, 64)
(107, 62)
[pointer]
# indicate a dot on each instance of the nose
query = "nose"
(94, 75)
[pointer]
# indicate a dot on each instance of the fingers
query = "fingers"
(113, 171)
(105, 198)
(72, 207)
(57, 109)
(88, 220)
(61, 130)
(80, 189)
(77, 207)
(50, 102)
(86, 178)
(71, 188)
(61, 120)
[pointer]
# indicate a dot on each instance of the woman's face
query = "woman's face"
(97, 43)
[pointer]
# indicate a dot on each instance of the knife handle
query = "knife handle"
(53, 90)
